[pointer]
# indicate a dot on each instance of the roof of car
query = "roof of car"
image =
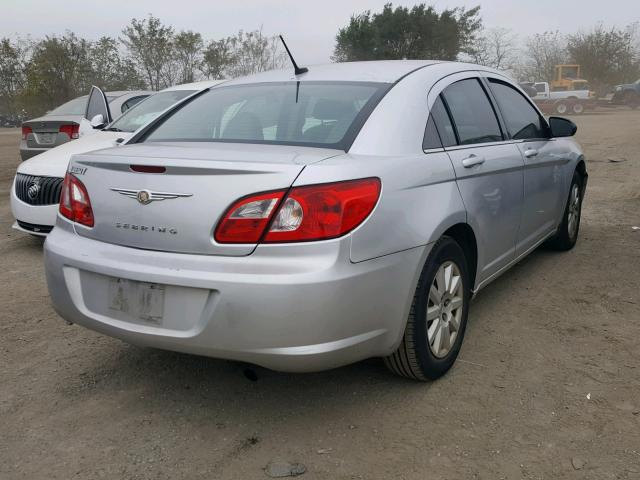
(194, 85)
(384, 71)
(119, 93)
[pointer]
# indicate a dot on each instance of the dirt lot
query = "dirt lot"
(547, 385)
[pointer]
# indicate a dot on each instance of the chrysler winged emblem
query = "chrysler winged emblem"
(145, 197)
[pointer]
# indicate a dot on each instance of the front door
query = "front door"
(542, 164)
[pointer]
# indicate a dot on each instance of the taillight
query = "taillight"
(26, 131)
(307, 213)
(73, 130)
(74, 201)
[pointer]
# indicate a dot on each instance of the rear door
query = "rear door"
(489, 169)
(543, 190)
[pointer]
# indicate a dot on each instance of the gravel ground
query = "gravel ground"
(547, 385)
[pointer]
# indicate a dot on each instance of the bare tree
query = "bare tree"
(150, 44)
(187, 48)
(542, 52)
(242, 54)
(253, 52)
(216, 59)
(495, 48)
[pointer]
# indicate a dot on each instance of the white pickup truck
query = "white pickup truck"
(544, 92)
(562, 102)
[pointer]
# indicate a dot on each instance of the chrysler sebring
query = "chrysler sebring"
(306, 221)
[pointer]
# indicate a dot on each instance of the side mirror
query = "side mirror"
(97, 121)
(562, 127)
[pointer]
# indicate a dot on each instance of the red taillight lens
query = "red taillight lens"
(73, 130)
(26, 131)
(313, 212)
(74, 201)
(246, 220)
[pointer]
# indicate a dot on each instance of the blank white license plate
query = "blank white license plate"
(47, 138)
(141, 300)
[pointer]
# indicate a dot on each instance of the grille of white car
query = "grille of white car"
(36, 190)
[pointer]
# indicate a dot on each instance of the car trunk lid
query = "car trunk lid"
(178, 210)
(50, 131)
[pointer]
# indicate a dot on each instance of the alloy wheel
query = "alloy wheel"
(444, 309)
(574, 211)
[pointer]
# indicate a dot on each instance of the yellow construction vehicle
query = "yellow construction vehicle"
(567, 77)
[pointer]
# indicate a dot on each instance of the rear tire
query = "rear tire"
(567, 234)
(438, 317)
(577, 108)
(561, 107)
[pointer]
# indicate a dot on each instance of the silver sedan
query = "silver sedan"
(303, 222)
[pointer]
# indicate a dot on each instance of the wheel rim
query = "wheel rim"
(562, 108)
(578, 108)
(444, 309)
(574, 211)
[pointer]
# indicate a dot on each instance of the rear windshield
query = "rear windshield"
(147, 110)
(324, 114)
(77, 106)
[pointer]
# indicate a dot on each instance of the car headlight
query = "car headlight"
(618, 88)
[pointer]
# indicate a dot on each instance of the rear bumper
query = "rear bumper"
(299, 307)
(35, 219)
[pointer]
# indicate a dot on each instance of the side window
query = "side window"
(431, 138)
(443, 123)
(472, 113)
(522, 120)
(131, 103)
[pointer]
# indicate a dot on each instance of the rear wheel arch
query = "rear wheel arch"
(463, 234)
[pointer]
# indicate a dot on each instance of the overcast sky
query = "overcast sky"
(309, 26)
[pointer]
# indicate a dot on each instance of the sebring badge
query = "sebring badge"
(145, 197)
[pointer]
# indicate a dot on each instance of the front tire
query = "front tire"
(438, 317)
(567, 235)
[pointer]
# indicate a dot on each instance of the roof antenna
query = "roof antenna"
(298, 70)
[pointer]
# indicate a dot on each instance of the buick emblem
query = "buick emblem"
(33, 190)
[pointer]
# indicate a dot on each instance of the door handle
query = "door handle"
(532, 152)
(472, 160)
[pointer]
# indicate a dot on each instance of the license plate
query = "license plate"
(141, 300)
(47, 138)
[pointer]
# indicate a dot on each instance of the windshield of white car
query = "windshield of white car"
(321, 114)
(147, 110)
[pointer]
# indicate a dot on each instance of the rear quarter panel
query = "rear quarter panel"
(418, 202)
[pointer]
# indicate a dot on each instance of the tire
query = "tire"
(567, 234)
(415, 357)
(632, 100)
(561, 108)
(577, 108)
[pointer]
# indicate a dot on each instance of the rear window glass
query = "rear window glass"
(143, 112)
(323, 114)
(77, 106)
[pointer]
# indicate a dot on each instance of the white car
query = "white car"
(36, 187)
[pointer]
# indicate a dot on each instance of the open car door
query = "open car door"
(97, 112)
